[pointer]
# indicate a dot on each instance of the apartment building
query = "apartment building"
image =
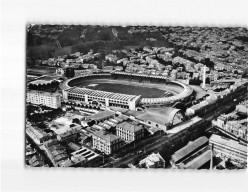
(106, 142)
(129, 132)
(52, 100)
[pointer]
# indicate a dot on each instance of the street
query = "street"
(156, 145)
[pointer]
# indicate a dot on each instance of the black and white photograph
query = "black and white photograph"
(168, 97)
(124, 96)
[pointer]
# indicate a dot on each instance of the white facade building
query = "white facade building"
(129, 132)
(52, 100)
(106, 142)
(102, 97)
(228, 148)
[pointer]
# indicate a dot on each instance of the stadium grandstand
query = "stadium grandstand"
(176, 91)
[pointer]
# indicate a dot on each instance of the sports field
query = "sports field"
(146, 90)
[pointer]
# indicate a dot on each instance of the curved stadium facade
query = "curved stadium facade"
(173, 91)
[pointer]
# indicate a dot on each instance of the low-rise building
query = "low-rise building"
(242, 108)
(83, 72)
(191, 148)
(73, 134)
(84, 157)
(198, 160)
(36, 161)
(111, 58)
(152, 161)
(108, 68)
(106, 142)
(228, 148)
(237, 128)
(129, 132)
(57, 153)
(101, 116)
(36, 134)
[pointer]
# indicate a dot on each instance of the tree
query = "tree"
(235, 72)
(72, 73)
(208, 80)
(105, 36)
(135, 161)
(143, 166)
(245, 73)
(42, 125)
(209, 63)
(76, 120)
(69, 72)
(91, 123)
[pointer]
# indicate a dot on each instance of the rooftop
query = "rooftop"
(102, 94)
(109, 137)
(161, 116)
(55, 94)
(199, 161)
(35, 130)
(228, 142)
(36, 161)
(102, 115)
(130, 127)
(68, 133)
(84, 153)
(41, 82)
(152, 159)
(190, 147)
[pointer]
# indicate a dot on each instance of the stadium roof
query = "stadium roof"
(102, 94)
(190, 147)
(40, 82)
(124, 97)
(185, 93)
(161, 116)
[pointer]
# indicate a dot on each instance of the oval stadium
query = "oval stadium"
(125, 90)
